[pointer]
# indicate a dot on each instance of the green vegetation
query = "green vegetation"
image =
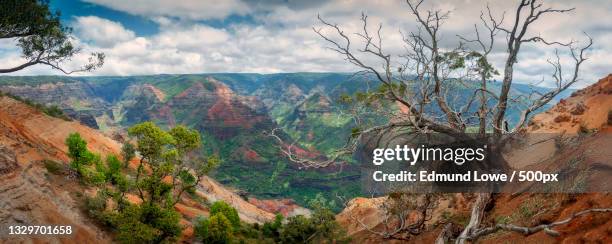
(320, 228)
(226, 210)
(128, 152)
(163, 154)
(40, 35)
(314, 114)
(223, 226)
(217, 229)
(78, 152)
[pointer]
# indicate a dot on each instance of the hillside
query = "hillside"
(29, 194)
(232, 112)
(571, 138)
(37, 189)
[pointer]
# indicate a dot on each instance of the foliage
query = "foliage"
(128, 152)
(163, 154)
(321, 227)
(298, 229)
(216, 229)
(77, 151)
(221, 225)
(272, 229)
(229, 212)
(40, 35)
(112, 170)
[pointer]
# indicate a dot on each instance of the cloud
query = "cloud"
(280, 37)
(102, 32)
(184, 9)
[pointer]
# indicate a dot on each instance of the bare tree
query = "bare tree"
(396, 210)
(547, 228)
(427, 73)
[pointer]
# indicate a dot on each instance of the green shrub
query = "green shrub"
(298, 229)
(165, 153)
(217, 229)
(77, 151)
(130, 228)
(91, 176)
(228, 211)
(146, 223)
(222, 225)
(113, 169)
(128, 151)
(320, 228)
(272, 229)
(53, 111)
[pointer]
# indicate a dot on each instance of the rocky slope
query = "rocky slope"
(28, 195)
(232, 112)
(232, 115)
(33, 193)
(572, 137)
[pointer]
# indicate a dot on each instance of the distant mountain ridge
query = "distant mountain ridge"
(232, 111)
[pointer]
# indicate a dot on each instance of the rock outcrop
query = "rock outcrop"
(30, 194)
(571, 137)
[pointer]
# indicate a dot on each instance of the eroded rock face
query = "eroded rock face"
(8, 162)
(51, 92)
(83, 117)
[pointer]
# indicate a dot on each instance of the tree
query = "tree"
(229, 212)
(427, 71)
(419, 80)
(128, 152)
(321, 227)
(40, 35)
(272, 229)
(167, 168)
(217, 229)
(221, 226)
(77, 151)
(168, 154)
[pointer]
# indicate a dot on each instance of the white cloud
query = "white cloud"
(102, 32)
(282, 39)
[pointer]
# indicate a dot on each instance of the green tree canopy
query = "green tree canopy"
(77, 150)
(216, 230)
(228, 211)
(40, 35)
(168, 167)
(128, 152)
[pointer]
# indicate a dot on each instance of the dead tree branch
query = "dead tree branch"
(547, 228)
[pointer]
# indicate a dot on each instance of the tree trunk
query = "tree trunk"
(476, 217)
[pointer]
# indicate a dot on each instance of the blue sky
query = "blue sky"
(70, 9)
(270, 36)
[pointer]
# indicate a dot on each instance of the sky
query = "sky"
(142, 37)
